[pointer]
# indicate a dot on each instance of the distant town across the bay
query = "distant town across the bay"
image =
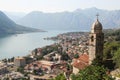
(59, 40)
(72, 52)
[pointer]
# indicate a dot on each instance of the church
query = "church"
(96, 42)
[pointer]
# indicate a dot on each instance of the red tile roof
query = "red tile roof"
(81, 62)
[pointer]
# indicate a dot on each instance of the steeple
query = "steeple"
(96, 26)
(96, 41)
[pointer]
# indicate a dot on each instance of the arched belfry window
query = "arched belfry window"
(92, 38)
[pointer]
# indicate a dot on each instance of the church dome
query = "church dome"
(97, 26)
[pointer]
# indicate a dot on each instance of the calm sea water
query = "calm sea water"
(23, 44)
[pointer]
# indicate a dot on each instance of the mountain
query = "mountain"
(15, 15)
(80, 19)
(7, 26)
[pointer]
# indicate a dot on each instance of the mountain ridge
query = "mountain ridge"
(79, 19)
(7, 26)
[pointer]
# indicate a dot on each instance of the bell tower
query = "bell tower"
(96, 41)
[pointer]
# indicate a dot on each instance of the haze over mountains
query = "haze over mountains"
(80, 19)
(7, 26)
(15, 15)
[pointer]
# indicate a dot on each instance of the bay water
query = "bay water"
(23, 44)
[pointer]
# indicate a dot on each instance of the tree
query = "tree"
(38, 57)
(76, 55)
(64, 56)
(60, 77)
(116, 58)
(9, 60)
(20, 69)
(110, 48)
(4, 60)
(12, 59)
(98, 61)
(92, 73)
(36, 51)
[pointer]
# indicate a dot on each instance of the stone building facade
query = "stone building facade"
(96, 41)
(19, 62)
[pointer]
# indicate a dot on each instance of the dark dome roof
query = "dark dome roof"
(97, 25)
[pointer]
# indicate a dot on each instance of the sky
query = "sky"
(56, 5)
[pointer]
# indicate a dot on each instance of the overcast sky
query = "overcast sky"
(56, 5)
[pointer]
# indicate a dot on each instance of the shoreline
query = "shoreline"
(30, 49)
(51, 38)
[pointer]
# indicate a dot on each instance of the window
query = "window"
(92, 38)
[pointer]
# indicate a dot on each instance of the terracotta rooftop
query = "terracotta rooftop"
(82, 61)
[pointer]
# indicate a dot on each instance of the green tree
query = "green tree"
(9, 60)
(20, 69)
(64, 56)
(98, 61)
(36, 51)
(76, 55)
(116, 58)
(4, 60)
(110, 48)
(39, 57)
(12, 59)
(92, 73)
(60, 77)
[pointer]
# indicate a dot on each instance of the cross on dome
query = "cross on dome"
(97, 26)
(97, 15)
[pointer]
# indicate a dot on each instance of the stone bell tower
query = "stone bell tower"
(96, 41)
